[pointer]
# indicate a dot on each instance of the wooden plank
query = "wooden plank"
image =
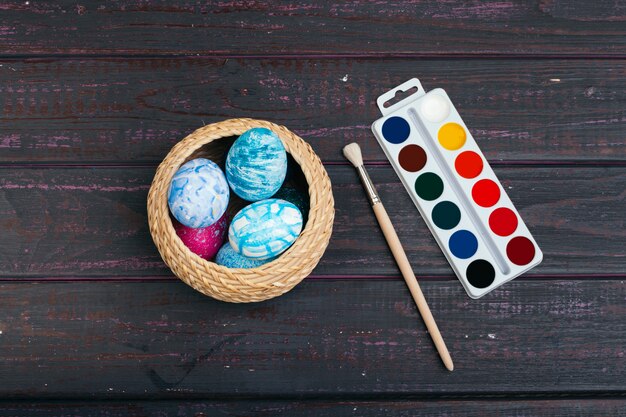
(555, 27)
(323, 408)
(59, 222)
(135, 110)
(327, 337)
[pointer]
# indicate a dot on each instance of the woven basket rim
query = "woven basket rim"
(236, 284)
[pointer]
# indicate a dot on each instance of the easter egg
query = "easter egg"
(198, 194)
(296, 197)
(228, 257)
(265, 229)
(256, 164)
(203, 241)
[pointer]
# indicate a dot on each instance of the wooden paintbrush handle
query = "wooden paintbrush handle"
(407, 272)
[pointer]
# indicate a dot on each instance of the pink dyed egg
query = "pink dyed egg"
(203, 241)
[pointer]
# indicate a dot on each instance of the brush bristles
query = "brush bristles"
(353, 153)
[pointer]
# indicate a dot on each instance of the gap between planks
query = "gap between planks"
(312, 277)
(497, 163)
(307, 56)
(343, 397)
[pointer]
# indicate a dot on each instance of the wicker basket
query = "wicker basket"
(242, 285)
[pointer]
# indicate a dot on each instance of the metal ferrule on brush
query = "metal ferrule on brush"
(369, 186)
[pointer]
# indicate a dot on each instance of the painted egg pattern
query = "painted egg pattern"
(256, 164)
(198, 194)
(265, 229)
(229, 258)
(203, 241)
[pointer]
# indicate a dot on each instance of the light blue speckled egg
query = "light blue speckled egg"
(256, 164)
(229, 258)
(265, 229)
(198, 194)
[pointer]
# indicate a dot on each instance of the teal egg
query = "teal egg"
(256, 164)
(265, 229)
(296, 197)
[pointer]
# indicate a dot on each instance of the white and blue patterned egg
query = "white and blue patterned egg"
(229, 258)
(198, 194)
(256, 164)
(265, 229)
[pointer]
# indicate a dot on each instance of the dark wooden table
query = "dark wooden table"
(93, 96)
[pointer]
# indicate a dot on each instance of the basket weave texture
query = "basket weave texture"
(243, 285)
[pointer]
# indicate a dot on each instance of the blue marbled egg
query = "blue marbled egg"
(265, 229)
(198, 194)
(256, 164)
(229, 258)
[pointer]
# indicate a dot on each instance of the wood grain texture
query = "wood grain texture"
(92, 97)
(135, 110)
(163, 340)
(86, 222)
(321, 408)
(554, 27)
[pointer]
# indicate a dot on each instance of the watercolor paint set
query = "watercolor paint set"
(457, 193)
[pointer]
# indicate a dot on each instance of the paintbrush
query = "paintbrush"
(353, 153)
